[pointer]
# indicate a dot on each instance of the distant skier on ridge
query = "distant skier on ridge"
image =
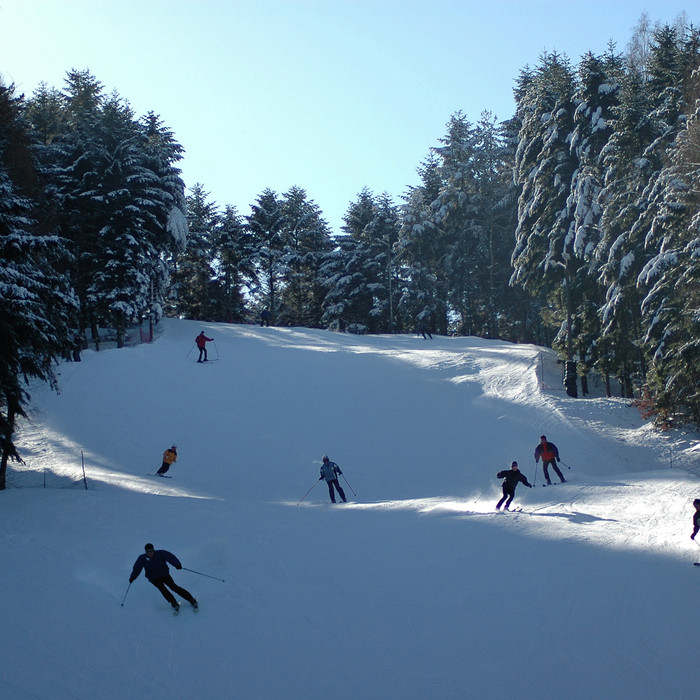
(511, 478)
(550, 455)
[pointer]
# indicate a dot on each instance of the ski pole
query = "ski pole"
(534, 481)
(565, 464)
(350, 487)
(126, 594)
(309, 491)
(215, 347)
(191, 349)
(199, 573)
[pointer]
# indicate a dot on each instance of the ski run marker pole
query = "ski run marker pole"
(309, 491)
(126, 594)
(184, 568)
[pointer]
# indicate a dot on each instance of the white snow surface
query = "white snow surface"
(417, 588)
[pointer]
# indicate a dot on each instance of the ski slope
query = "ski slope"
(415, 589)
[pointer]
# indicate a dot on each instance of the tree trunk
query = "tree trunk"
(6, 448)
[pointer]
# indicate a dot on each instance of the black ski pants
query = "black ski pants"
(508, 495)
(163, 468)
(163, 581)
(202, 351)
(545, 466)
(339, 489)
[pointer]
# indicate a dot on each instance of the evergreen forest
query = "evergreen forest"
(575, 224)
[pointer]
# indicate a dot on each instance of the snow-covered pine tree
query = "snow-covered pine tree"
(307, 241)
(649, 117)
(193, 287)
(671, 276)
(419, 251)
(381, 236)
(351, 274)
(116, 195)
(597, 97)
(163, 205)
(267, 226)
(495, 215)
(543, 257)
(74, 169)
(235, 268)
(34, 301)
(124, 252)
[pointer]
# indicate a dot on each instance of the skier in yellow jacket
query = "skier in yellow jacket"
(169, 457)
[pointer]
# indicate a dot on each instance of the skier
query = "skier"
(696, 518)
(169, 457)
(202, 341)
(330, 472)
(155, 563)
(265, 317)
(424, 329)
(550, 455)
(510, 477)
(77, 347)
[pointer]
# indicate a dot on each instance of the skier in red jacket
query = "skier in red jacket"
(550, 454)
(201, 340)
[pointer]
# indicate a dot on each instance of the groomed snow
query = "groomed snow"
(416, 589)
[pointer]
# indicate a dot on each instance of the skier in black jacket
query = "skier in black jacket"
(510, 477)
(155, 563)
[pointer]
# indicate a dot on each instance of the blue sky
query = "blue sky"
(328, 95)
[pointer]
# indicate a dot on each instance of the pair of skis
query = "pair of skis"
(155, 473)
(195, 608)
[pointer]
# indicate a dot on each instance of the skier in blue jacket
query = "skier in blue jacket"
(155, 564)
(330, 472)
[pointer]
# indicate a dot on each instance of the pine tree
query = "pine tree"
(419, 251)
(597, 97)
(235, 267)
(354, 275)
(193, 285)
(671, 276)
(267, 225)
(543, 258)
(307, 241)
(34, 301)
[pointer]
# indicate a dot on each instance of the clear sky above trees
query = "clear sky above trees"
(329, 95)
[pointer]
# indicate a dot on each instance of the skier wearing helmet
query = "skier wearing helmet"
(330, 472)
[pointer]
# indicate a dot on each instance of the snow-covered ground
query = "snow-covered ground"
(415, 589)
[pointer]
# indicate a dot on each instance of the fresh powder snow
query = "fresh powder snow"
(417, 588)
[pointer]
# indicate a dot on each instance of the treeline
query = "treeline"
(574, 224)
(92, 218)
